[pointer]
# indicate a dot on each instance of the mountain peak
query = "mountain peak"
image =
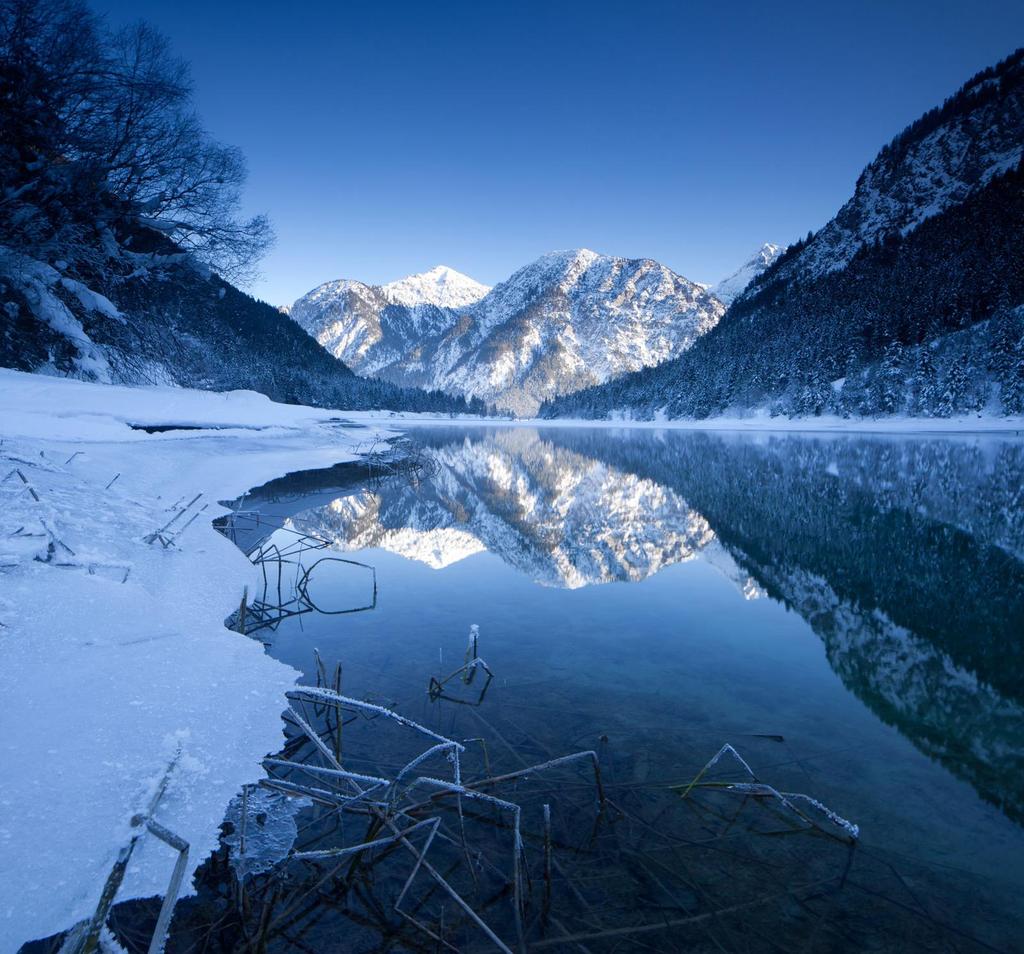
(572, 255)
(566, 258)
(767, 253)
(441, 286)
(731, 287)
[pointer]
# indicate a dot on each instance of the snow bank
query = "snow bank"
(33, 405)
(113, 652)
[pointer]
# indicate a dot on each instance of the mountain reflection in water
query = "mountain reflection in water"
(903, 555)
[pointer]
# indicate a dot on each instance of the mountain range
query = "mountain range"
(909, 301)
(566, 321)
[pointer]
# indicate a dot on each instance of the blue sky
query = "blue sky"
(385, 138)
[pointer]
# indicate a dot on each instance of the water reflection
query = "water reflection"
(564, 517)
(904, 556)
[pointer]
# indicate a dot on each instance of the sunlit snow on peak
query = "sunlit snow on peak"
(441, 286)
(733, 286)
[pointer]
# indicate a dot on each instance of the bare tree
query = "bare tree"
(100, 134)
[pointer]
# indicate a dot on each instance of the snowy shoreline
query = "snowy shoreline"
(113, 651)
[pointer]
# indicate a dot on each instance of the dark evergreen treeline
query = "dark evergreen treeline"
(928, 323)
(986, 86)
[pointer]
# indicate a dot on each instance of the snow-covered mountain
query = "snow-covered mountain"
(441, 286)
(733, 285)
(569, 320)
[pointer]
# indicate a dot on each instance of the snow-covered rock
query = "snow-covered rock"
(732, 286)
(568, 320)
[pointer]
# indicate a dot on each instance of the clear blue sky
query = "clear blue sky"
(384, 138)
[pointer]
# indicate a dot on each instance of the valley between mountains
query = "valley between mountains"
(568, 320)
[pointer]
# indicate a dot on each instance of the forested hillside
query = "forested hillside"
(908, 302)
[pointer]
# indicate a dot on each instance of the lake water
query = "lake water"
(846, 611)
